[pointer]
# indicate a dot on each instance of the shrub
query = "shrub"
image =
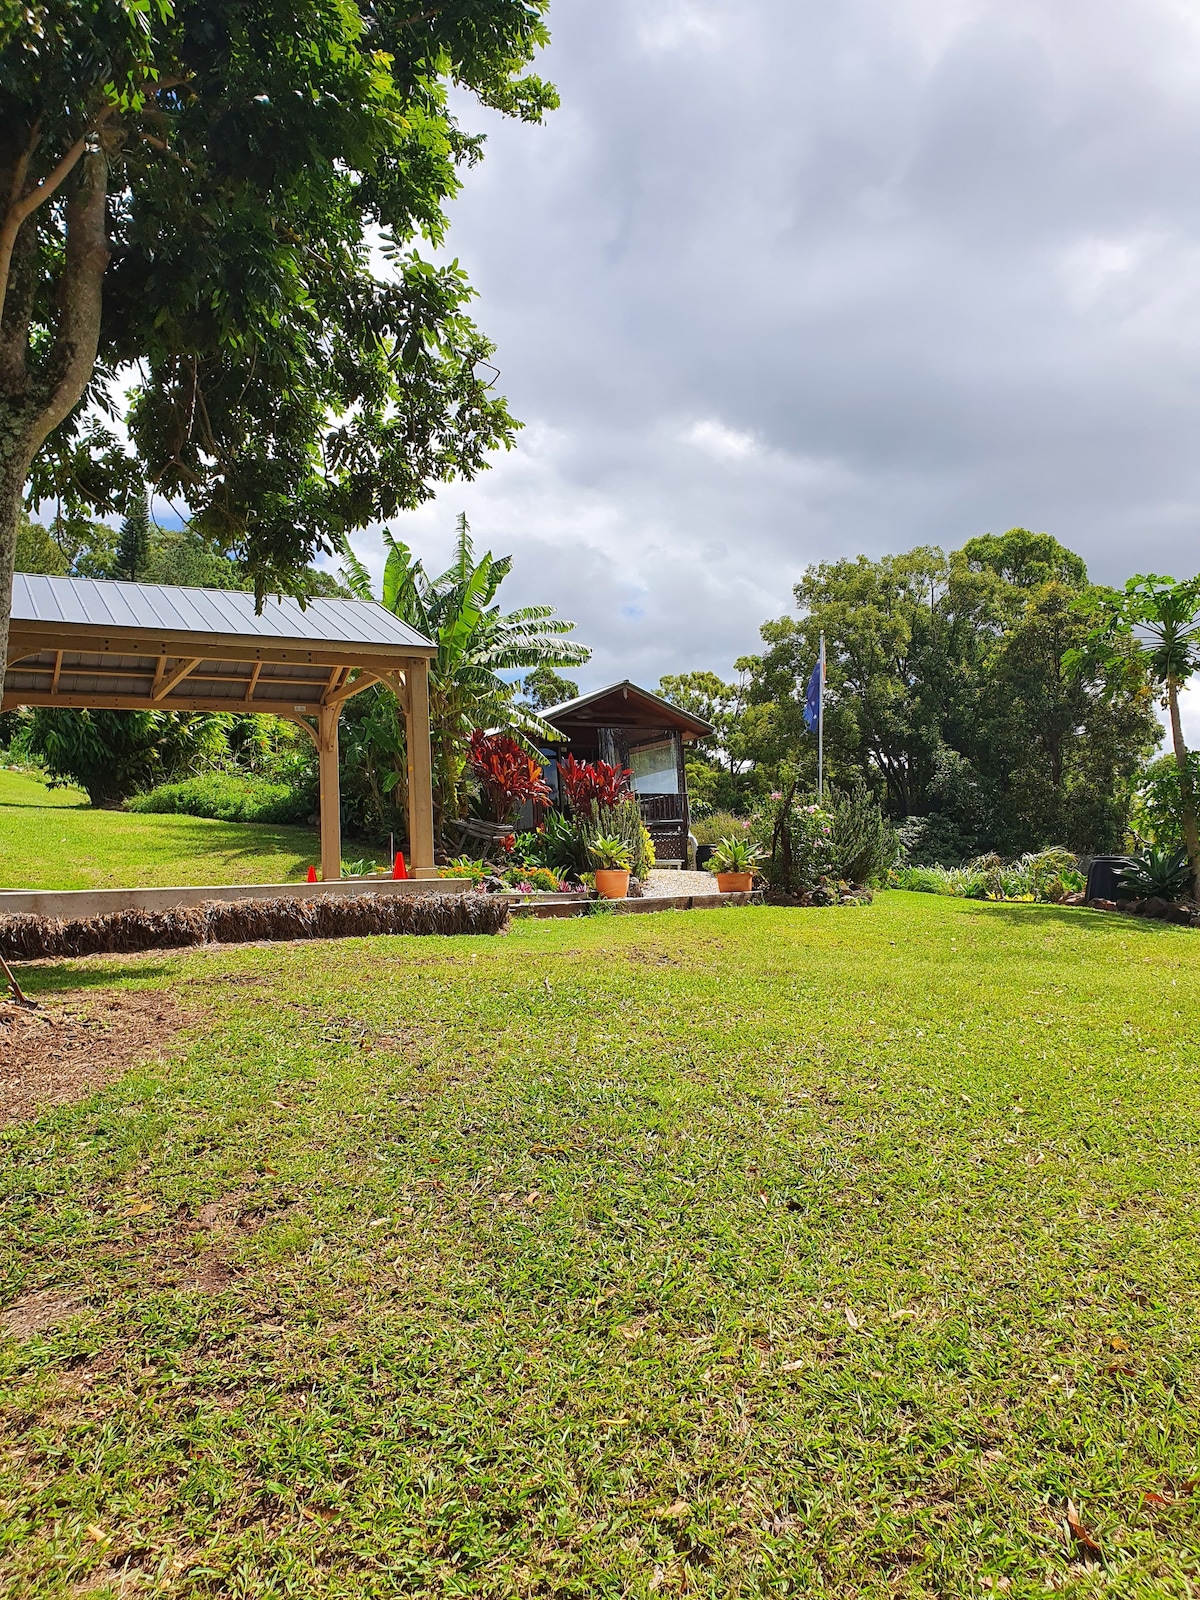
(1157, 808)
(934, 841)
(1043, 875)
(720, 825)
(624, 821)
(562, 843)
(228, 797)
(557, 844)
(532, 878)
(864, 842)
(464, 867)
(110, 754)
(592, 783)
(797, 837)
(506, 772)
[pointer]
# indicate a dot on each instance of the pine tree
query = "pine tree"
(133, 543)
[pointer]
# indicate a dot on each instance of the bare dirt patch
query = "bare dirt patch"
(34, 1313)
(67, 1049)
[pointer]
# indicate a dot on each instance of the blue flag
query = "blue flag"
(812, 700)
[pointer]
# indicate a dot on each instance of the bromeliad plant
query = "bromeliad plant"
(1162, 873)
(609, 854)
(735, 855)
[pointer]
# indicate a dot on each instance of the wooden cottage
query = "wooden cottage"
(633, 728)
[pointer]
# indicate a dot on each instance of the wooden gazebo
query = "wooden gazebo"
(116, 646)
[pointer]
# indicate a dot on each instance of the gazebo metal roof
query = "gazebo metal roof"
(96, 642)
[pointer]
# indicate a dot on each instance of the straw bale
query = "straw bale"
(28, 938)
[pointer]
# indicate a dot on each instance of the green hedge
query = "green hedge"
(228, 798)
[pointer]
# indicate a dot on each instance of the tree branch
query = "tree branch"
(73, 354)
(21, 206)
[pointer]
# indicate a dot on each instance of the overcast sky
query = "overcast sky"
(785, 281)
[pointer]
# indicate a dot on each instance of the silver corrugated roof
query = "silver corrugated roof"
(109, 603)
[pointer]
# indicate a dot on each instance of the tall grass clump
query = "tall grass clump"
(1047, 876)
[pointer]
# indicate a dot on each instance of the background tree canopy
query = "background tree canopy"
(953, 692)
(206, 188)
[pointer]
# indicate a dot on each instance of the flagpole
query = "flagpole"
(821, 729)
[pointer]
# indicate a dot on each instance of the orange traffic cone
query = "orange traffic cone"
(399, 870)
(312, 874)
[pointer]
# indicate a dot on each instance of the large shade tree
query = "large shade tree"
(204, 188)
(953, 691)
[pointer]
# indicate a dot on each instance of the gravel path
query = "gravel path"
(673, 880)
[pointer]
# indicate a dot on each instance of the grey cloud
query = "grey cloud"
(785, 281)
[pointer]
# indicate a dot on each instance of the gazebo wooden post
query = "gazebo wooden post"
(331, 795)
(420, 767)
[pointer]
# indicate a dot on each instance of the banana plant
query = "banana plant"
(476, 642)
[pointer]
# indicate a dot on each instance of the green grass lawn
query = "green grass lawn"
(753, 1252)
(52, 839)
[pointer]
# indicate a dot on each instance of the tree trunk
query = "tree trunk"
(1187, 796)
(12, 486)
(33, 403)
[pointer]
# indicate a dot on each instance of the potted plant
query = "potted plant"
(612, 867)
(734, 861)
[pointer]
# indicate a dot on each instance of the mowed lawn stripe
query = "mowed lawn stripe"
(737, 1253)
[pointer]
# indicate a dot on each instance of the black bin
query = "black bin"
(1102, 877)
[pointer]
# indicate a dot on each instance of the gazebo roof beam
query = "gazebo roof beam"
(180, 673)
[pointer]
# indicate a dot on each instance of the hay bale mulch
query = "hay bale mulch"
(31, 938)
(64, 1050)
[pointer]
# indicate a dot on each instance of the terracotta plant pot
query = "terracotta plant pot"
(735, 882)
(612, 885)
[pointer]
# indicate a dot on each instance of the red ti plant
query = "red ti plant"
(508, 774)
(588, 781)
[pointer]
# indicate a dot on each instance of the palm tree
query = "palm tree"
(1154, 623)
(476, 642)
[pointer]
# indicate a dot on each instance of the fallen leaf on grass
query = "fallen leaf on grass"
(851, 1319)
(676, 1511)
(97, 1534)
(1117, 1343)
(1083, 1537)
(1151, 1497)
(997, 1584)
(902, 1316)
(138, 1210)
(792, 1366)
